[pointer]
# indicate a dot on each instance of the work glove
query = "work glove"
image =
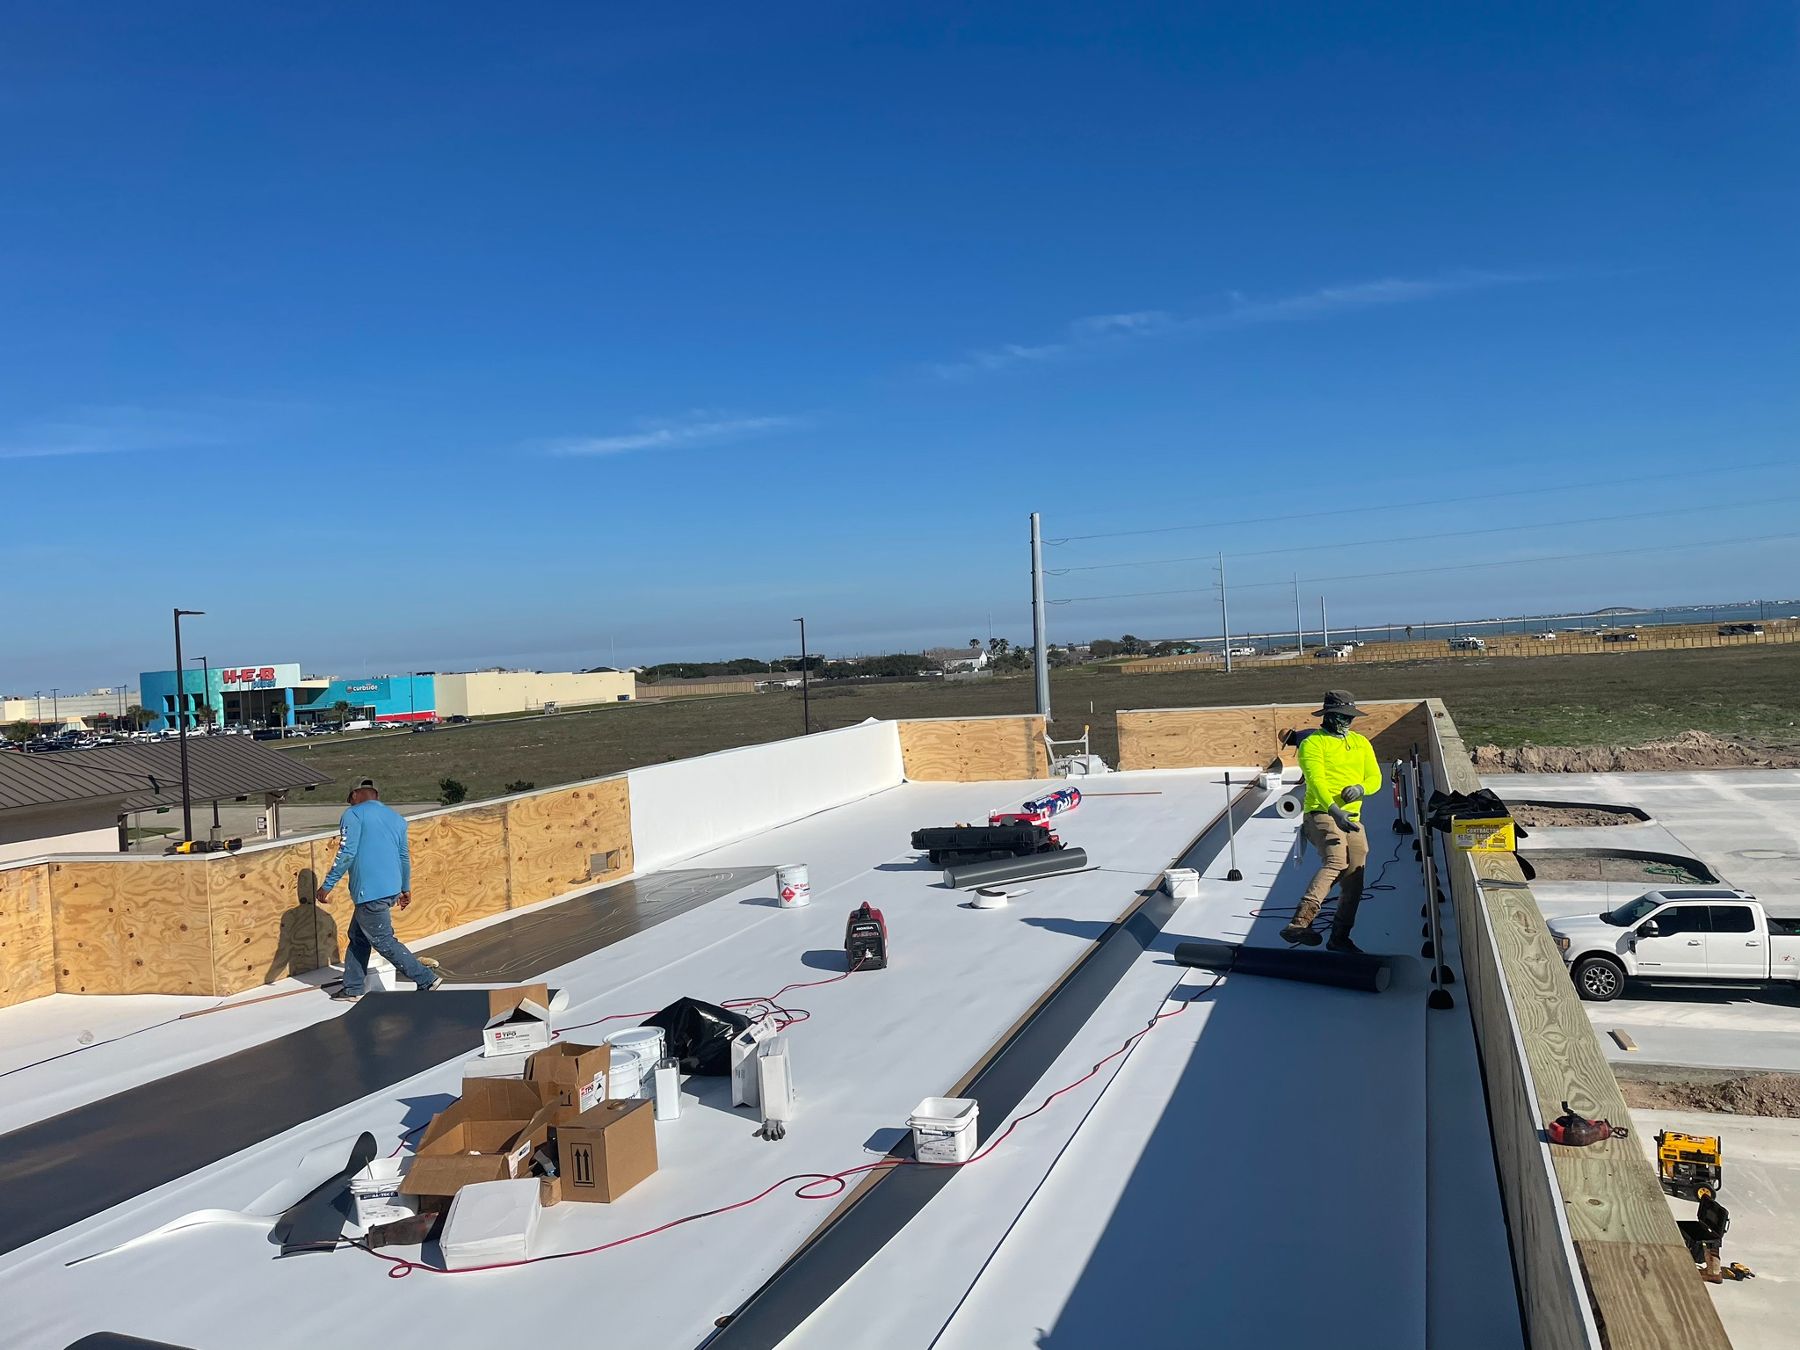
(1353, 793)
(1344, 822)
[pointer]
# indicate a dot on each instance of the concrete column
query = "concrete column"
(272, 814)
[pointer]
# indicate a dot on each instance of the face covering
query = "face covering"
(1335, 724)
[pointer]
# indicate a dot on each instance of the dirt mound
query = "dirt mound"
(1689, 750)
(1759, 1094)
(1536, 815)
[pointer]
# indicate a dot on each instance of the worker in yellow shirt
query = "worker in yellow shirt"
(1341, 769)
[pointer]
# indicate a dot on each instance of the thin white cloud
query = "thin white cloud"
(697, 428)
(1100, 332)
(117, 430)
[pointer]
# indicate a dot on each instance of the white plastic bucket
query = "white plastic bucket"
(646, 1043)
(943, 1129)
(1182, 883)
(792, 887)
(625, 1079)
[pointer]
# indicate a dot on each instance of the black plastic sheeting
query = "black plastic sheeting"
(65, 1169)
(820, 1268)
(525, 947)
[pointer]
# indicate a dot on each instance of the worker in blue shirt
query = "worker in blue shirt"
(372, 849)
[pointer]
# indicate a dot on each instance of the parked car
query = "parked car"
(1243, 651)
(457, 720)
(1712, 935)
(1620, 635)
(1332, 653)
(1548, 635)
(1740, 630)
(1467, 644)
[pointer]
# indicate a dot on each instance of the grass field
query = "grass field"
(1744, 692)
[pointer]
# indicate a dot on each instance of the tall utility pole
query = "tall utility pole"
(1324, 623)
(1224, 614)
(1040, 647)
(1299, 626)
(187, 805)
(55, 710)
(206, 698)
(805, 693)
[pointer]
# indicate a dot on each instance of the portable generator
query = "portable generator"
(865, 939)
(1691, 1165)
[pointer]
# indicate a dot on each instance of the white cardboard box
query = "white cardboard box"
(745, 1088)
(518, 1019)
(490, 1221)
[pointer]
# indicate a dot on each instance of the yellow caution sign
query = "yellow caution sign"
(1488, 834)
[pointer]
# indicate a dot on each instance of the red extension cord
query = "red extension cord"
(400, 1266)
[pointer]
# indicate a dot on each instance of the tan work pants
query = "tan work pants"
(1341, 859)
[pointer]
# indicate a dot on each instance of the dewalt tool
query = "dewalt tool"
(1690, 1165)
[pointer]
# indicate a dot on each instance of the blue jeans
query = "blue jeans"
(373, 926)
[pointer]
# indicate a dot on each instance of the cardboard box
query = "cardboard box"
(570, 1075)
(602, 1153)
(744, 1088)
(518, 1019)
(497, 1066)
(489, 1135)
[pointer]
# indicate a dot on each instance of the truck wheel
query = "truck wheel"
(1599, 979)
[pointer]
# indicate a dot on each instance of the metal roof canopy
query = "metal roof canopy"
(219, 768)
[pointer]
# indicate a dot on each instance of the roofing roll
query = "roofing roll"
(996, 871)
(1341, 970)
(1288, 805)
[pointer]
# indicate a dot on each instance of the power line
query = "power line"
(1612, 482)
(1442, 534)
(1429, 571)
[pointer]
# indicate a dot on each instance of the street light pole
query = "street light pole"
(206, 698)
(187, 806)
(805, 691)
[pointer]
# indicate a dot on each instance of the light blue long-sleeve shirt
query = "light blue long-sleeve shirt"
(372, 849)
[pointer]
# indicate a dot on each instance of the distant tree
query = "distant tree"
(999, 646)
(1103, 648)
(1131, 646)
(517, 785)
(204, 715)
(21, 731)
(278, 711)
(139, 716)
(342, 709)
(450, 792)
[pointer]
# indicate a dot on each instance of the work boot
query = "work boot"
(1301, 935)
(1342, 922)
(1343, 944)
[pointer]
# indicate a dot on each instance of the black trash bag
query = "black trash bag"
(700, 1035)
(1483, 804)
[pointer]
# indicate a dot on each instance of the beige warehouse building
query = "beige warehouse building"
(484, 693)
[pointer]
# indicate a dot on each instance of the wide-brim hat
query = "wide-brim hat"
(1339, 701)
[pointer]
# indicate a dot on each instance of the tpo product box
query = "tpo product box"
(602, 1153)
(570, 1075)
(518, 1019)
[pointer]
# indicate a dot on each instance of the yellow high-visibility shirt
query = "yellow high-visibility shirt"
(1331, 764)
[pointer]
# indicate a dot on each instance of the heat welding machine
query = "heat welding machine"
(866, 939)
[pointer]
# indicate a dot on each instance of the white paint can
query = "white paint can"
(645, 1042)
(625, 1080)
(792, 886)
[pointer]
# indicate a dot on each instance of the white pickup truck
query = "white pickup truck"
(1709, 936)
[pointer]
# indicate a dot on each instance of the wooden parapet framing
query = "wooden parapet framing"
(1594, 1247)
(974, 749)
(1194, 738)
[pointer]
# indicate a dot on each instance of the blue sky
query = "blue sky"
(429, 335)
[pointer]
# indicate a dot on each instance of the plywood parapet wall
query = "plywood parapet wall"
(227, 922)
(974, 749)
(1600, 1205)
(1192, 738)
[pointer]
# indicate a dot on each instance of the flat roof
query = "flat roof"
(1271, 1137)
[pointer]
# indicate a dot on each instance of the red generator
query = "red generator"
(866, 939)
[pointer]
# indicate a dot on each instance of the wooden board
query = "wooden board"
(1194, 738)
(135, 926)
(262, 928)
(974, 749)
(460, 868)
(1539, 1049)
(27, 941)
(552, 837)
